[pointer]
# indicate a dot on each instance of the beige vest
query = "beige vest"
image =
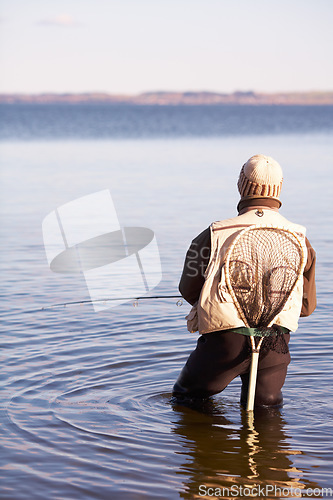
(215, 309)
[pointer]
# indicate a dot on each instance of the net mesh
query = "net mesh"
(262, 269)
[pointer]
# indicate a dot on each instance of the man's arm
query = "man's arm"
(195, 265)
(309, 285)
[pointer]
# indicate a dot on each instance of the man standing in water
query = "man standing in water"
(222, 351)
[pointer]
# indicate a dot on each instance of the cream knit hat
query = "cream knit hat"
(261, 176)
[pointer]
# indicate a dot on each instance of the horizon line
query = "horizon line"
(161, 91)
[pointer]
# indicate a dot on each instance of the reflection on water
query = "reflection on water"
(220, 454)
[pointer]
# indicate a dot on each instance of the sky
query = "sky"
(133, 46)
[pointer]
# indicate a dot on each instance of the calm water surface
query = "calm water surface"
(86, 407)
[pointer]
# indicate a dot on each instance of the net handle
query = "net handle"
(253, 374)
(253, 381)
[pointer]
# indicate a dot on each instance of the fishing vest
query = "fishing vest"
(216, 310)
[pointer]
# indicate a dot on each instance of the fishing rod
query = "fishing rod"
(134, 300)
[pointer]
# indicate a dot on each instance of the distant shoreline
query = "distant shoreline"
(175, 98)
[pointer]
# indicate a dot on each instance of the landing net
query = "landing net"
(262, 267)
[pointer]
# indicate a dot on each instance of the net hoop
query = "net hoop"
(228, 256)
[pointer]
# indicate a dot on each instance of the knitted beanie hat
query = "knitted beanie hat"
(261, 176)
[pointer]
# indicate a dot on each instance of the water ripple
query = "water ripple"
(99, 406)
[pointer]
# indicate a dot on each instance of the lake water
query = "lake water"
(86, 407)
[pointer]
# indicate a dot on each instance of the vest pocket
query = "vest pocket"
(222, 289)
